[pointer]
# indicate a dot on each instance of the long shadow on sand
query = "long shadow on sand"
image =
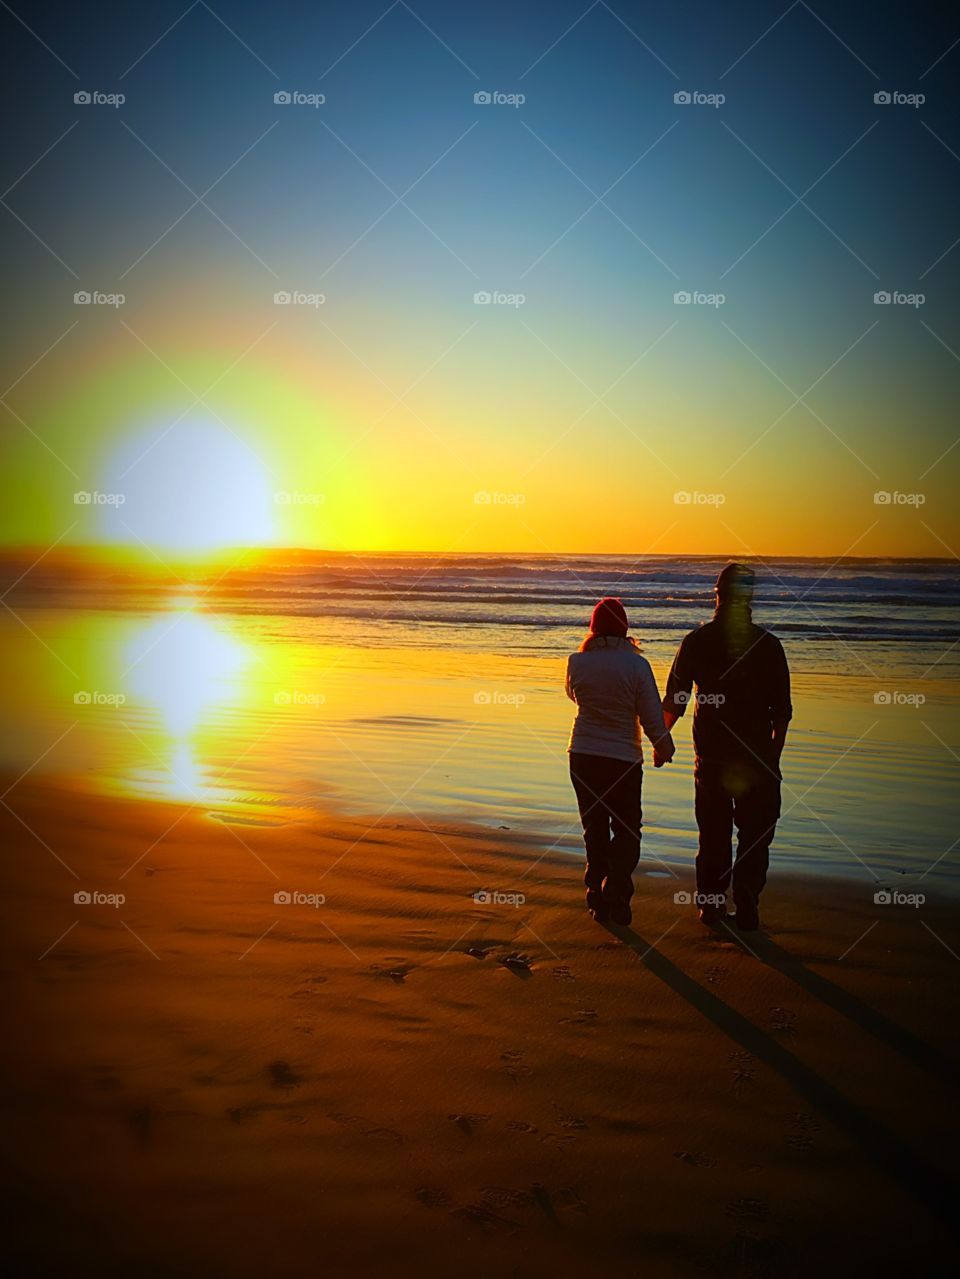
(919, 1179)
(914, 1050)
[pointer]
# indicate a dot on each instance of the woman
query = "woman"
(616, 694)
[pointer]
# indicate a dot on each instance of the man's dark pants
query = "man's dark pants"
(745, 795)
(608, 796)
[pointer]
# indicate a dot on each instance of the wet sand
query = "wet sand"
(403, 1080)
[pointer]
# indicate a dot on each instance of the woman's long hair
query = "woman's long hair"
(604, 641)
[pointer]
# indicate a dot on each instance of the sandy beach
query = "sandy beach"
(402, 1079)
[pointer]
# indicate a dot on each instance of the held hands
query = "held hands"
(663, 751)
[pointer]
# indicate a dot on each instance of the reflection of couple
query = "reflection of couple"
(741, 712)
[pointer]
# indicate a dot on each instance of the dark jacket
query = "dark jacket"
(742, 688)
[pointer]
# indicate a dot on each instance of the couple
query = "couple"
(742, 709)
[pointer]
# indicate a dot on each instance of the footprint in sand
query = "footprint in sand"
(490, 1222)
(715, 974)
(803, 1129)
(395, 970)
(305, 991)
(432, 1197)
(514, 1065)
(568, 1121)
(365, 1129)
(695, 1158)
(748, 1209)
(743, 1073)
(520, 1125)
(245, 1114)
(467, 1122)
(783, 1021)
(282, 1075)
(562, 973)
(582, 1017)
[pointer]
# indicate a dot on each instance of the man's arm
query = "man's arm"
(781, 707)
(679, 683)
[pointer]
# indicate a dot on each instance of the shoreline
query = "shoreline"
(209, 1082)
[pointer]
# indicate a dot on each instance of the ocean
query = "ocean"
(430, 688)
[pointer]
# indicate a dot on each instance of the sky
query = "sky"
(578, 314)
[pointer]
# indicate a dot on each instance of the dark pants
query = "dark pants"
(608, 796)
(747, 796)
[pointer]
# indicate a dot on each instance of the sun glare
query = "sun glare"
(193, 489)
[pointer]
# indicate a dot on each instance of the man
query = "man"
(742, 709)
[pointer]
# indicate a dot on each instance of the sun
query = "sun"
(192, 488)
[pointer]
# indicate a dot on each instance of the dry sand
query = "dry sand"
(201, 1082)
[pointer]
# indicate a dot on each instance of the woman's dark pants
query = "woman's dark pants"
(608, 796)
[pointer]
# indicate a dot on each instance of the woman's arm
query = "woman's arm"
(650, 714)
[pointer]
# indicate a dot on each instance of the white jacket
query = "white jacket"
(615, 692)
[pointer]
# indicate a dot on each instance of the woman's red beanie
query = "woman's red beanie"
(609, 618)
